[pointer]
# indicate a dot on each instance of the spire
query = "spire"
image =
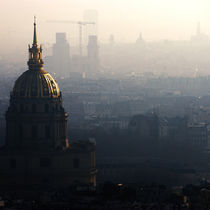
(35, 53)
(35, 36)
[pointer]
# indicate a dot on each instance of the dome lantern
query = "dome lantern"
(35, 82)
(35, 53)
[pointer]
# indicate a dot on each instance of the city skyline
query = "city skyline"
(156, 20)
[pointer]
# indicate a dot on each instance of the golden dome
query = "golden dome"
(36, 83)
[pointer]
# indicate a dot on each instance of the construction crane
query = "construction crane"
(80, 23)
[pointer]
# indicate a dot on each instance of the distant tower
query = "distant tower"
(93, 54)
(199, 37)
(140, 41)
(61, 55)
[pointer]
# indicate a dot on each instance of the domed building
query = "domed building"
(36, 115)
(37, 151)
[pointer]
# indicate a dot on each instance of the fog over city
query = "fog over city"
(105, 104)
(157, 20)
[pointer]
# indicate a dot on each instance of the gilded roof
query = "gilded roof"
(36, 83)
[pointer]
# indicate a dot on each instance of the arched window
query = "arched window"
(46, 108)
(45, 162)
(21, 108)
(47, 131)
(20, 131)
(26, 108)
(34, 131)
(34, 108)
(76, 163)
(12, 163)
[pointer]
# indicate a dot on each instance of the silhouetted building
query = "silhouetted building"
(173, 128)
(198, 135)
(144, 134)
(37, 152)
(2, 130)
(78, 65)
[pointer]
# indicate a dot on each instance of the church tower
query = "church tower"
(35, 118)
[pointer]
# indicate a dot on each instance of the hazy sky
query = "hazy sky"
(156, 19)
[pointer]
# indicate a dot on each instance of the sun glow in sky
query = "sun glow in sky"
(155, 19)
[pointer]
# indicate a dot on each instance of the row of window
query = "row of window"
(45, 163)
(25, 108)
(34, 131)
